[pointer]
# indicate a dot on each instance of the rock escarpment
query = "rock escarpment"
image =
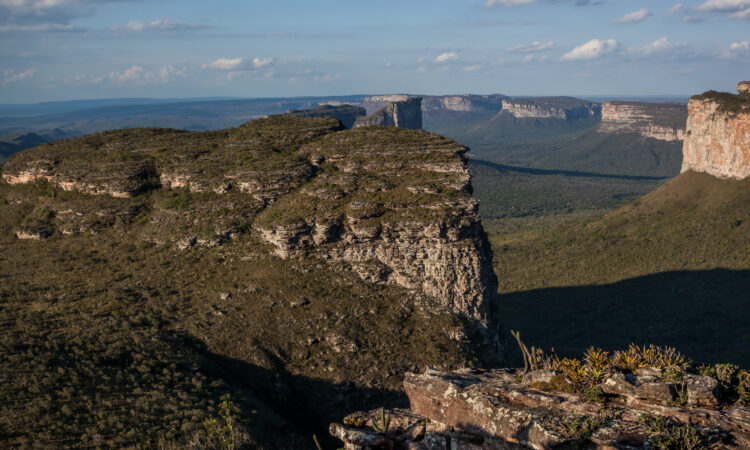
(347, 114)
(405, 113)
(501, 409)
(664, 122)
(717, 139)
(393, 205)
(565, 108)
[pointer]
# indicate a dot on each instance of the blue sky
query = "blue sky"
(76, 49)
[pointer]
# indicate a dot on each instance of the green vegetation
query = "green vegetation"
(670, 268)
(731, 103)
(113, 335)
(672, 436)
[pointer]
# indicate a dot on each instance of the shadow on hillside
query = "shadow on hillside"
(308, 404)
(569, 173)
(704, 314)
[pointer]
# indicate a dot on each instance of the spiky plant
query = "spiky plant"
(596, 358)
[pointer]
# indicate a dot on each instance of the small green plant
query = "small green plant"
(594, 394)
(581, 430)
(668, 435)
(744, 388)
(385, 422)
(224, 432)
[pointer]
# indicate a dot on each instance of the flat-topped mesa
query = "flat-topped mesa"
(717, 138)
(563, 108)
(405, 113)
(392, 205)
(347, 114)
(662, 121)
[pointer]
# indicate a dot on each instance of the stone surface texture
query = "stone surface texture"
(550, 108)
(717, 141)
(405, 113)
(662, 121)
(490, 410)
(392, 205)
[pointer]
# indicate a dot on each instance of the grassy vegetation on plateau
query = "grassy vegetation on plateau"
(672, 268)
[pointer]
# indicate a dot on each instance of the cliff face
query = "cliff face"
(658, 121)
(550, 108)
(718, 135)
(393, 205)
(402, 114)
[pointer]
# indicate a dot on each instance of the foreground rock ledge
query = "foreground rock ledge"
(491, 410)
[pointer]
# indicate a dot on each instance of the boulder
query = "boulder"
(702, 391)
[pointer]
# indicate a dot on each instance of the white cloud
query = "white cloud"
(592, 49)
(658, 46)
(473, 68)
(634, 17)
(225, 64)
(743, 15)
(679, 7)
(158, 25)
(165, 74)
(506, 3)
(725, 5)
(10, 76)
(262, 62)
(446, 57)
(735, 50)
(533, 47)
(132, 73)
(239, 64)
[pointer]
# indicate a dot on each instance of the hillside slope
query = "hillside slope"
(297, 266)
(672, 268)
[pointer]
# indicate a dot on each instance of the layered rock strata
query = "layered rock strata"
(500, 410)
(391, 204)
(718, 134)
(396, 205)
(665, 122)
(563, 108)
(401, 114)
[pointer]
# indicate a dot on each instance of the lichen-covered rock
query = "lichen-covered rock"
(702, 391)
(662, 121)
(405, 113)
(489, 410)
(718, 135)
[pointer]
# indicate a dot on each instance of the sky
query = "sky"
(53, 50)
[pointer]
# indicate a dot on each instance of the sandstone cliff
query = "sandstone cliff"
(405, 113)
(664, 122)
(717, 139)
(565, 108)
(394, 205)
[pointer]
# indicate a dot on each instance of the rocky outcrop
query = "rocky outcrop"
(347, 114)
(392, 205)
(376, 102)
(396, 206)
(564, 108)
(492, 410)
(665, 122)
(718, 134)
(743, 87)
(405, 113)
